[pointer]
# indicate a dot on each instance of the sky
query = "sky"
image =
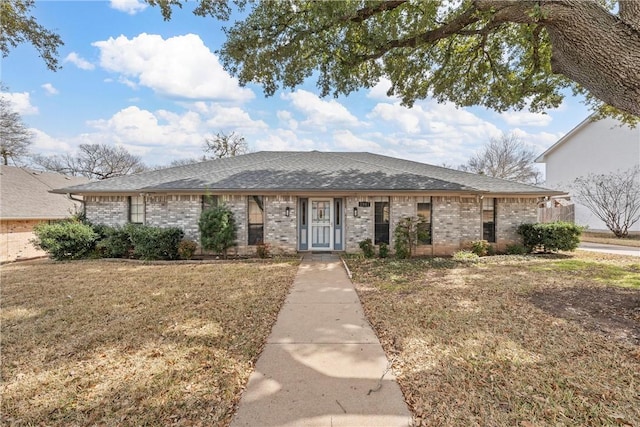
(158, 89)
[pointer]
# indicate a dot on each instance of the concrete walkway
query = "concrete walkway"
(321, 360)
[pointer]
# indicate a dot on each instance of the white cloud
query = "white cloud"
(379, 91)
(128, 6)
(284, 140)
(346, 140)
(21, 102)
(320, 113)
(50, 89)
(180, 66)
(47, 145)
(79, 62)
(526, 118)
(231, 119)
(287, 119)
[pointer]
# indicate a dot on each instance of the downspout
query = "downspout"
(81, 201)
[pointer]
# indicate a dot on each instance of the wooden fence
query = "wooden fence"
(557, 213)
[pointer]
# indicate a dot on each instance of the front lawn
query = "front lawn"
(521, 341)
(120, 343)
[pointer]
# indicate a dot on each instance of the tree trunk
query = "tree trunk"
(590, 46)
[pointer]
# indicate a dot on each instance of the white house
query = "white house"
(601, 147)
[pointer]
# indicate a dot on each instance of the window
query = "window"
(303, 213)
(209, 201)
(424, 228)
(136, 209)
(489, 219)
(381, 232)
(256, 220)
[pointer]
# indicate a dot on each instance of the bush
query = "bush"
(115, 242)
(65, 240)
(262, 250)
(187, 248)
(516, 249)
(465, 256)
(151, 243)
(367, 248)
(550, 237)
(217, 229)
(480, 247)
(383, 250)
(408, 234)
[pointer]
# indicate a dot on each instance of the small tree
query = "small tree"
(506, 157)
(217, 229)
(408, 234)
(223, 145)
(15, 138)
(613, 197)
(95, 161)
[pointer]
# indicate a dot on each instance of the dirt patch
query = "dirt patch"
(614, 312)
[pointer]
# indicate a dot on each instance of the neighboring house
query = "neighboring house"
(25, 200)
(600, 147)
(319, 201)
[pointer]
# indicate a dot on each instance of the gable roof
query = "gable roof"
(306, 171)
(25, 194)
(542, 157)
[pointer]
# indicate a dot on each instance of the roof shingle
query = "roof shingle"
(306, 171)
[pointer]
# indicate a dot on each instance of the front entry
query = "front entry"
(321, 222)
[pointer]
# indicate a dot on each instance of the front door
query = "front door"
(321, 221)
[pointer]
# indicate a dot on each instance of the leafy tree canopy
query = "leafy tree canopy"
(18, 26)
(501, 54)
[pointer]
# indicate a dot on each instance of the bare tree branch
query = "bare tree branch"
(614, 198)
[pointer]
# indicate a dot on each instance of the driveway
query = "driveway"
(609, 249)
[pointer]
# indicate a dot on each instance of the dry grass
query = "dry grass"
(484, 344)
(104, 343)
(609, 239)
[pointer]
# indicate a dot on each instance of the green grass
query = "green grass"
(625, 276)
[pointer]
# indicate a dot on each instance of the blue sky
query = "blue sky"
(157, 88)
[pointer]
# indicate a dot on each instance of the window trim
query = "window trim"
(141, 215)
(492, 236)
(386, 224)
(427, 220)
(259, 201)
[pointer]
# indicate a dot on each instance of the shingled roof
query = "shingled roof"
(306, 171)
(25, 194)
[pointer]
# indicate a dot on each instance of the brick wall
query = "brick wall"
(511, 212)
(280, 231)
(456, 221)
(107, 210)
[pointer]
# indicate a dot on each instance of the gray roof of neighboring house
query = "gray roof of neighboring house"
(25, 194)
(306, 171)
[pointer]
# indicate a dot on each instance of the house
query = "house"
(319, 201)
(601, 147)
(25, 200)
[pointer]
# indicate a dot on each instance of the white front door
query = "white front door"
(321, 220)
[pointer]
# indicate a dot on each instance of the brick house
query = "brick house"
(25, 200)
(320, 201)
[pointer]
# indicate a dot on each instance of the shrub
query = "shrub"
(383, 250)
(480, 247)
(65, 240)
(263, 250)
(516, 249)
(367, 248)
(217, 229)
(115, 242)
(465, 256)
(550, 237)
(408, 234)
(152, 243)
(187, 248)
